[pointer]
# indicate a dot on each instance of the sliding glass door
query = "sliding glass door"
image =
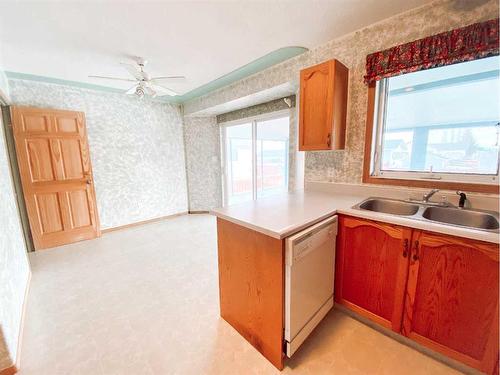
(239, 163)
(255, 158)
(272, 156)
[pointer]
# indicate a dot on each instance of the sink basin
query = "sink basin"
(389, 206)
(465, 218)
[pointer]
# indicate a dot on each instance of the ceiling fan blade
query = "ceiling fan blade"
(150, 91)
(133, 70)
(167, 78)
(131, 90)
(114, 78)
(160, 90)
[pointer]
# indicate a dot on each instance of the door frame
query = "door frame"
(16, 177)
(253, 121)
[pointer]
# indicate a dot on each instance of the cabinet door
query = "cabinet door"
(323, 106)
(452, 298)
(372, 268)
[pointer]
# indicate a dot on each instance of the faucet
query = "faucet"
(463, 198)
(428, 195)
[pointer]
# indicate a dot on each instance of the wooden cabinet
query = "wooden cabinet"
(252, 287)
(438, 290)
(452, 298)
(323, 106)
(371, 269)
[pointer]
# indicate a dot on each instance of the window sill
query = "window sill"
(444, 185)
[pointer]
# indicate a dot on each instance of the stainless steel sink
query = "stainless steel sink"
(389, 206)
(435, 212)
(464, 218)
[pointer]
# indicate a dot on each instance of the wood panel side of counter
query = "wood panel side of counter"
(251, 287)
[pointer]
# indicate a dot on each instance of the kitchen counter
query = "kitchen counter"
(282, 215)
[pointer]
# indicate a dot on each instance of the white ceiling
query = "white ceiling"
(202, 40)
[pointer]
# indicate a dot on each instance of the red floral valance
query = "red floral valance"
(464, 44)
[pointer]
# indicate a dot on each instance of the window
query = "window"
(439, 124)
(255, 158)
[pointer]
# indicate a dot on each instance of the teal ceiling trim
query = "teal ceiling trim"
(33, 77)
(247, 70)
(82, 85)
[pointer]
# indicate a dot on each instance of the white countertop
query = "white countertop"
(282, 215)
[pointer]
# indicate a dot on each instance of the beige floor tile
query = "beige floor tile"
(145, 301)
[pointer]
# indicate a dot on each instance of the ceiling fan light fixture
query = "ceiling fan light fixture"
(139, 92)
(145, 84)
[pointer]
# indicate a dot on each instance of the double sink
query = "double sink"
(468, 218)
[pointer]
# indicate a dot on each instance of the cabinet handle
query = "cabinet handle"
(405, 248)
(415, 253)
(329, 140)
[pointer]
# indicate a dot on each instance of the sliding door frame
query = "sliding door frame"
(247, 120)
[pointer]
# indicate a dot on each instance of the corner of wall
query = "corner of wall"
(14, 270)
(4, 88)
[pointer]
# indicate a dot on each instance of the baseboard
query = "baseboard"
(408, 342)
(136, 224)
(21, 325)
(9, 370)
(198, 212)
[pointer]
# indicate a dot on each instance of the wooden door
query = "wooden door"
(452, 298)
(372, 268)
(323, 106)
(56, 175)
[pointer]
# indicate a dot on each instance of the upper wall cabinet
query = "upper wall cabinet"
(323, 106)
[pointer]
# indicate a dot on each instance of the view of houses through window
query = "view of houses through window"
(442, 120)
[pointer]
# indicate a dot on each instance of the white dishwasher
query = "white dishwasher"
(309, 275)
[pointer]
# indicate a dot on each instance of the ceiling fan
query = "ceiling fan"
(144, 83)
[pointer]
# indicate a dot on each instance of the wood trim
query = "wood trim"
(9, 370)
(434, 239)
(365, 313)
(411, 287)
(402, 282)
(392, 230)
(443, 185)
(445, 350)
(139, 223)
(414, 344)
(491, 355)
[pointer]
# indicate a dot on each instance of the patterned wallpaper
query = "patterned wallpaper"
(136, 147)
(14, 266)
(255, 110)
(203, 168)
(4, 86)
(346, 165)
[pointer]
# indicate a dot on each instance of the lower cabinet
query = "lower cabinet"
(438, 290)
(452, 298)
(371, 269)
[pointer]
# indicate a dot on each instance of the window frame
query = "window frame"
(377, 94)
(248, 120)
